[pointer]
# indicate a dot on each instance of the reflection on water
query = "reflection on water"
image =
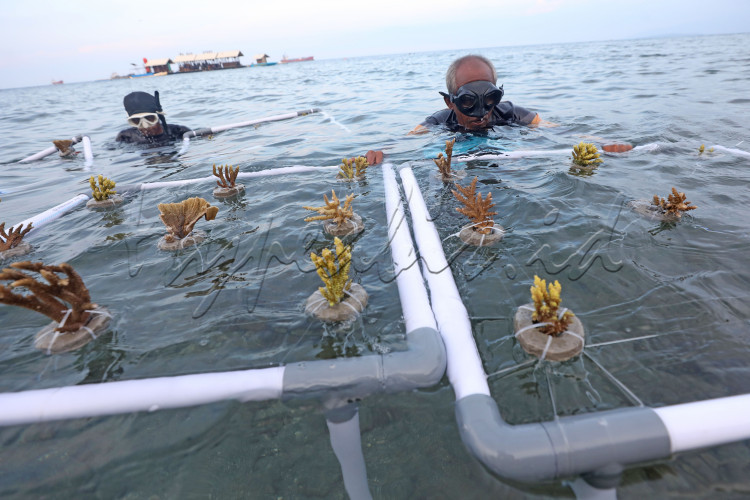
(663, 304)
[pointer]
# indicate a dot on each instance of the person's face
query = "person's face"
(471, 71)
(147, 123)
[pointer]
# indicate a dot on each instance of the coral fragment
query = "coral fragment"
(333, 209)
(334, 271)
(546, 304)
(227, 175)
(13, 237)
(103, 189)
(585, 155)
(475, 208)
(675, 204)
(444, 162)
(180, 218)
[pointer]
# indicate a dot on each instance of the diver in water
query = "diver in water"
(147, 119)
(474, 102)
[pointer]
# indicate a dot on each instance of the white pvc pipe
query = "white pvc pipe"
(275, 118)
(465, 369)
(128, 396)
(414, 302)
(296, 169)
(734, 151)
(55, 212)
(510, 155)
(87, 153)
(346, 442)
(707, 423)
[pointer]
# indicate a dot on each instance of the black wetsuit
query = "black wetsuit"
(133, 135)
(505, 113)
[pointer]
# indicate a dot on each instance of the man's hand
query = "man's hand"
(374, 157)
(617, 147)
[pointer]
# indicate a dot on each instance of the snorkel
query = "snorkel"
(159, 111)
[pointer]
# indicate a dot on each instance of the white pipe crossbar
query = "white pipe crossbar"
(91, 400)
(465, 369)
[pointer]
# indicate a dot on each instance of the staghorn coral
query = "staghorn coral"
(546, 305)
(103, 190)
(180, 218)
(227, 175)
(585, 155)
(49, 298)
(334, 271)
(675, 204)
(444, 162)
(476, 208)
(13, 237)
(333, 209)
(353, 168)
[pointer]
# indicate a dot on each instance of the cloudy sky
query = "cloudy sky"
(77, 40)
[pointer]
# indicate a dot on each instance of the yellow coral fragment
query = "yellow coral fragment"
(353, 168)
(585, 154)
(546, 304)
(334, 271)
(104, 189)
(333, 209)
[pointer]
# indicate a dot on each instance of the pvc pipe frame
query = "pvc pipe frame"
(212, 130)
(597, 445)
(337, 381)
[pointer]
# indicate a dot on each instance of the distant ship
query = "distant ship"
(57, 82)
(284, 60)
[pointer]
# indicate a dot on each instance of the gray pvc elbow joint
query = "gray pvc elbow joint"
(349, 379)
(595, 445)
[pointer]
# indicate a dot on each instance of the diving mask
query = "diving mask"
(476, 98)
(143, 120)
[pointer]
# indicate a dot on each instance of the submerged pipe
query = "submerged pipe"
(596, 446)
(212, 130)
(346, 379)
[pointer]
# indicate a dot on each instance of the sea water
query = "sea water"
(664, 305)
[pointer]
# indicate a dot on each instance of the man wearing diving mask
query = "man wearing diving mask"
(474, 101)
(149, 126)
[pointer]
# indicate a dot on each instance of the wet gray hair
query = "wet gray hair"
(450, 75)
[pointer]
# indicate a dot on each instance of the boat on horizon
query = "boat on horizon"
(284, 60)
(57, 82)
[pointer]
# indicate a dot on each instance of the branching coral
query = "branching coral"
(353, 168)
(444, 162)
(675, 204)
(227, 175)
(180, 218)
(546, 307)
(475, 208)
(50, 298)
(13, 237)
(334, 271)
(103, 190)
(333, 209)
(585, 155)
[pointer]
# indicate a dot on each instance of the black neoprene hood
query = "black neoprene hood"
(141, 102)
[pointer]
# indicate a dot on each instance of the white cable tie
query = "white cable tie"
(531, 327)
(49, 349)
(65, 318)
(355, 298)
(544, 352)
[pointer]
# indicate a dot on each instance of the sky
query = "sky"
(74, 40)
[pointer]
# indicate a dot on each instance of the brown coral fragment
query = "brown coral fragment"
(64, 300)
(444, 162)
(227, 175)
(13, 237)
(64, 147)
(333, 210)
(180, 218)
(675, 204)
(475, 208)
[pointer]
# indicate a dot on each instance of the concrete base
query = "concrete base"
(347, 309)
(533, 341)
(110, 202)
(221, 192)
(191, 239)
(471, 237)
(21, 249)
(353, 225)
(50, 340)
